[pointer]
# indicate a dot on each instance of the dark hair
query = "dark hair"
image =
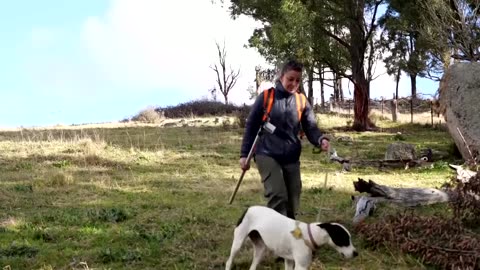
(291, 64)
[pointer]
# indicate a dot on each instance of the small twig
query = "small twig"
(468, 147)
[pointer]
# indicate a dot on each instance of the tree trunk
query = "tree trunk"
(336, 94)
(357, 51)
(226, 99)
(399, 73)
(360, 108)
(340, 89)
(310, 85)
(413, 81)
(322, 86)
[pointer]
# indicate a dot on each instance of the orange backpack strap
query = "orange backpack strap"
(300, 100)
(268, 97)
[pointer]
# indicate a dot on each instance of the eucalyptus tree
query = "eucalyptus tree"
(286, 33)
(351, 26)
(452, 27)
(337, 32)
(402, 38)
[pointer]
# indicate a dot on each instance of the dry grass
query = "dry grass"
(418, 118)
(126, 196)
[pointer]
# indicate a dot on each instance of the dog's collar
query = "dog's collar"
(310, 236)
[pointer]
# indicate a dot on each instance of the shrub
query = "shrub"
(436, 240)
(198, 108)
(375, 117)
(465, 201)
(148, 115)
(242, 115)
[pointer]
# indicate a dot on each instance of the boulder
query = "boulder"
(400, 151)
(460, 105)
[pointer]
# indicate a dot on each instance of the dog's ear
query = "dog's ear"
(337, 233)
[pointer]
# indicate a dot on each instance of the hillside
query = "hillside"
(140, 196)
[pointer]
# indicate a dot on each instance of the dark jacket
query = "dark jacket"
(283, 145)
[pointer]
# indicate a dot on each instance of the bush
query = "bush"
(465, 202)
(242, 115)
(198, 108)
(434, 240)
(148, 115)
(376, 117)
(444, 242)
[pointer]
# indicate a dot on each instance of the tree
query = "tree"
(287, 34)
(261, 75)
(402, 38)
(252, 93)
(354, 24)
(333, 33)
(337, 88)
(452, 26)
(226, 79)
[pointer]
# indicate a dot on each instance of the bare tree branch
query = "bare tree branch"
(341, 73)
(328, 84)
(338, 39)
(372, 22)
(376, 77)
(227, 79)
(234, 77)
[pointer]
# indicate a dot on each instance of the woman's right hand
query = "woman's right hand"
(243, 164)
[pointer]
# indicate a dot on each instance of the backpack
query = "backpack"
(269, 97)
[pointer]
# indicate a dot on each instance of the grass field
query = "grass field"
(146, 197)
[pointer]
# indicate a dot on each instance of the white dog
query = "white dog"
(287, 238)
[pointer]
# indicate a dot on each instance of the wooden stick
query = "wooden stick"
(468, 147)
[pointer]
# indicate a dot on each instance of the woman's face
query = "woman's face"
(291, 80)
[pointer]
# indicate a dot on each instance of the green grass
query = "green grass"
(156, 198)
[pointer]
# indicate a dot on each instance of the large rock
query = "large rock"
(460, 105)
(400, 151)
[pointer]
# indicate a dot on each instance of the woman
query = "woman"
(277, 155)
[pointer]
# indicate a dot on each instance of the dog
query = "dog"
(292, 240)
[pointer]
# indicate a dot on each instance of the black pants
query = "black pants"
(282, 185)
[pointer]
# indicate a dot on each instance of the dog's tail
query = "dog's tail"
(242, 216)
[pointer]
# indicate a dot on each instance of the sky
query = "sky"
(94, 61)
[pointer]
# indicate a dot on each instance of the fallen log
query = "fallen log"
(347, 164)
(403, 196)
(406, 197)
